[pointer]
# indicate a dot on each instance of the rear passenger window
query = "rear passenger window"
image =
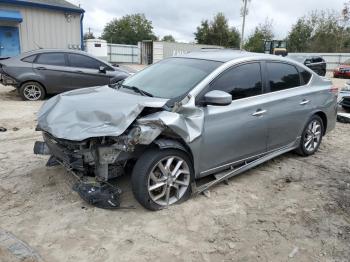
(241, 81)
(56, 59)
(29, 59)
(282, 76)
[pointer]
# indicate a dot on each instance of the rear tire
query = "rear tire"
(161, 178)
(32, 91)
(311, 137)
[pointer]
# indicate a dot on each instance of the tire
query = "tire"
(32, 91)
(151, 191)
(311, 137)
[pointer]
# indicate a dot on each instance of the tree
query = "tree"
(89, 35)
(129, 29)
(300, 35)
(217, 32)
(262, 32)
(168, 38)
(318, 32)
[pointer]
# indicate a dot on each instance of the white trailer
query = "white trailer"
(153, 51)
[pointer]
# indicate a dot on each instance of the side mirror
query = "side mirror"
(217, 98)
(102, 69)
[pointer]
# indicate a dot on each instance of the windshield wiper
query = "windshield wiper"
(137, 90)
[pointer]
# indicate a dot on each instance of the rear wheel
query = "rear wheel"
(311, 137)
(161, 178)
(32, 91)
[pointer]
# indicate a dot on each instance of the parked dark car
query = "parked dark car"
(342, 71)
(315, 63)
(38, 73)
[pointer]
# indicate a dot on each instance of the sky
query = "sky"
(180, 18)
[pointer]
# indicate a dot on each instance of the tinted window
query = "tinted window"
(57, 59)
(305, 76)
(317, 60)
(282, 76)
(29, 59)
(242, 81)
(77, 60)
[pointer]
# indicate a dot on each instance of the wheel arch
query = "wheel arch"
(174, 143)
(323, 116)
(36, 81)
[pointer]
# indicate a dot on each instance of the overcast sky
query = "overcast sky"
(181, 17)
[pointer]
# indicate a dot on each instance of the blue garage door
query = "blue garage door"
(9, 41)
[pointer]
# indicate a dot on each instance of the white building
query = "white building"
(31, 24)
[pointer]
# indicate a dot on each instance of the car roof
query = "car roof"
(40, 51)
(226, 55)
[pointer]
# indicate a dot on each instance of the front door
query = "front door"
(237, 131)
(9, 41)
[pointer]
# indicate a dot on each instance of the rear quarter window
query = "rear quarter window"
(304, 75)
(29, 59)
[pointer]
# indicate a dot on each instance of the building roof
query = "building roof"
(49, 4)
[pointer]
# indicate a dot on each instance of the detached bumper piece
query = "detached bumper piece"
(100, 195)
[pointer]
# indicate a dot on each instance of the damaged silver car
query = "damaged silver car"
(187, 123)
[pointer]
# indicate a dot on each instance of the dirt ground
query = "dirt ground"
(288, 209)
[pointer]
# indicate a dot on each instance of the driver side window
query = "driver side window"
(241, 81)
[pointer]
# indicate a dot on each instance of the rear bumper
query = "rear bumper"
(7, 80)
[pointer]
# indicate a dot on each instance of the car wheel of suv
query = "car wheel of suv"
(311, 137)
(32, 91)
(161, 178)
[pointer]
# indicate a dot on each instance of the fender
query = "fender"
(164, 143)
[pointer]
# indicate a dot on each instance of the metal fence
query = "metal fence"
(117, 53)
(332, 59)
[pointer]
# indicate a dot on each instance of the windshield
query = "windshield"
(173, 77)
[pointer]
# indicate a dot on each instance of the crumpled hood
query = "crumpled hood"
(92, 112)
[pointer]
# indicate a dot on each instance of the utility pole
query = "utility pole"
(243, 24)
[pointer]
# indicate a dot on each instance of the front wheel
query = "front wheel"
(311, 137)
(32, 91)
(161, 178)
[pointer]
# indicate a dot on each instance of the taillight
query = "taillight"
(334, 90)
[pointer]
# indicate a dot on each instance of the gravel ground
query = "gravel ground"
(288, 209)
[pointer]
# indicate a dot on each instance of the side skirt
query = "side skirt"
(198, 187)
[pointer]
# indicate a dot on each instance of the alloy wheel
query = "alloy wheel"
(313, 135)
(32, 92)
(168, 180)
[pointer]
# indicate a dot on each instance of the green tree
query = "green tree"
(129, 29)
(262, 32)
(168, 38)
(217, 32)
(318, 32)
(89, 35)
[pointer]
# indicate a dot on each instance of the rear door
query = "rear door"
(237, 131)
(51, 69)
(84, 71)
(288, 104)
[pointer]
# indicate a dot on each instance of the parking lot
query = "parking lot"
(290, 208)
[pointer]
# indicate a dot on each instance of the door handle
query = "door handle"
(304, 102)
(259, 112)
(41, 68)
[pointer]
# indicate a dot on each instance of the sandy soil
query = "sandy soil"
(290, 208)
